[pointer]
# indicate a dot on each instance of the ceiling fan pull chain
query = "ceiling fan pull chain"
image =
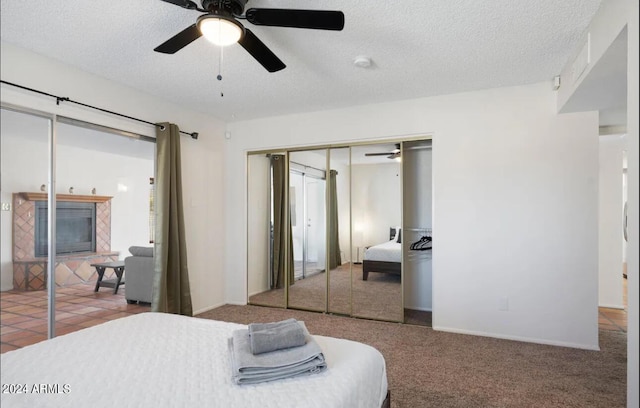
(220, 71)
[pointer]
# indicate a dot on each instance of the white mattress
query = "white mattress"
(388, 252)
(163, 360)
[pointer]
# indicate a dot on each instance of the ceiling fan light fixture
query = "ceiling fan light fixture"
(220, 30)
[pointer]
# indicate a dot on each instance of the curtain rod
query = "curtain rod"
(303, 165)
(194, 135)
(307, 166)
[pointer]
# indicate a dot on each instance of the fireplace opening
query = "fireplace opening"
(75, 227)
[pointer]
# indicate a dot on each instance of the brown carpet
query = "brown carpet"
(379, 297)
(427, 368)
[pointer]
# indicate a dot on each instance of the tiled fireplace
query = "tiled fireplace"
(29, 271)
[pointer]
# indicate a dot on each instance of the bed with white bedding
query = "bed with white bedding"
(164, 360)
(385, 257)
(389, 251)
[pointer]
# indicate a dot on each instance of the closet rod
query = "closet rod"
(194, 135)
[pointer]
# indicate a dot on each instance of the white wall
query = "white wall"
(608, 22)
(625, 196)
(202, 162)
(633, 377)
(258, 214)
(606, 25)
(376, 200)
(515, 205)
(24, 169)
(610, 222)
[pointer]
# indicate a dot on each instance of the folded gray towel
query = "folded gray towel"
(268, 326)
(248, 368)
(266, 337)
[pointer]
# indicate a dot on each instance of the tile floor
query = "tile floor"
(614, 319)
(23, 315)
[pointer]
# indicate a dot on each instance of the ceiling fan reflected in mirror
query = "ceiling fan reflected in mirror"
(220, 25)
(394, 154)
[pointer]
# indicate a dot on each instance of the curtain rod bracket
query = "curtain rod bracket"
(61, 99)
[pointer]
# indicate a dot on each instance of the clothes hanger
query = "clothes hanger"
(422, 245)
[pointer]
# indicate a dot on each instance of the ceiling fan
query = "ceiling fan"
(395, 153)
(220, 25)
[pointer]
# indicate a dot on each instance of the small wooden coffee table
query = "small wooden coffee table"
(118, 268)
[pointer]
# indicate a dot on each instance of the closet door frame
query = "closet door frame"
(328, 147)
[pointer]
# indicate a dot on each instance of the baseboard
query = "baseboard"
(422, 309)
(206, 309)
(518, 338)
(612, 306)
(237, 303)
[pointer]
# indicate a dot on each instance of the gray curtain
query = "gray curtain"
(171, 292)
(279, 215)
(335, 259)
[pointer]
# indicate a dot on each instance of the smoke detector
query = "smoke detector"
(362, 62)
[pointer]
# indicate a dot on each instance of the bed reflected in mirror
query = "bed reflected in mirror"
(376, 234)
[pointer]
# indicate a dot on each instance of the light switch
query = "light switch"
(6, 206)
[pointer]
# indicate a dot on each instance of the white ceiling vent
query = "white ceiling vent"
(362, 62)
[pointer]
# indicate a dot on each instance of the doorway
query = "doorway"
(307, 202)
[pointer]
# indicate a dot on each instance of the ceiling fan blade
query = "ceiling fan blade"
(183, 3)
(260, 52)
(315, 19)
(180, 40)
(379, 154)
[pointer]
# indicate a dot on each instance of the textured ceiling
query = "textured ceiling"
(418, 48)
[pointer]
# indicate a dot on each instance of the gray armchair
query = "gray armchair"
(138, 270)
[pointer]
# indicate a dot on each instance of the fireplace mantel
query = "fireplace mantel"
(66, 197)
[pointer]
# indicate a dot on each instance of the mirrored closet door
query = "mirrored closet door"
(334, 239)
(308, 181)
(376, 211)
(340, 261)
(267, 252)
(24, 160)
